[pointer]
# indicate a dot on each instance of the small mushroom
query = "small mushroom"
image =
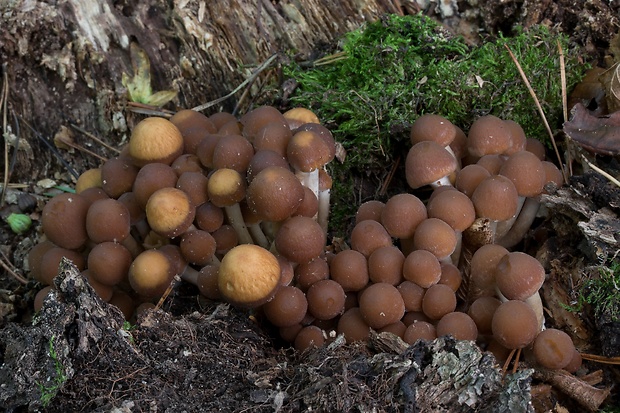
(300, 239)
(429, 163)
(169, 212)
(151, 273)
(553, 349)
(64, 220)
(287, 308)
(155, 140)
(381, 304)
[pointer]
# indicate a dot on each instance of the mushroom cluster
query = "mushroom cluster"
(238, 207)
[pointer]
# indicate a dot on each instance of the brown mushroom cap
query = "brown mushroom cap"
(454, 208)
(483, 264)
(381, 304)
(369, 235)
(274, 194)
(256, 119)
(412, 295)
(369, 210)
(195, 185)
(263, 159)
(514, 324)
(51, 259)
(438, 301)
(249, 275)
(450, 276)
(300, 239)
(187, 162)
(225, 239)
(197, 247)
(492, 163)
(220, 119)
(349, 269)
(468, 178)
(488, 135)
(308, 337)
(422, 267)
(273, 136)
(457, 324)
(552, 174)
(287, 307)
(519, 275)
(436, 236)
(234, 152)
(64, 220)
(151, 273)
(205, 149)
(553, 349)
(307, 151)
(385, 264)
(482, 310)
(40, 297)
(108, 220)
(495, 198)
(109, 262)
(353, 326)
(104, 292)
(193, 126)
(310, 272)
(169, 212)
(428, 162)
(150, 178)
(325, 299)
(155, 140)
(209, 217)
(517, 137)
(536, 147)
(401, 215)
(117, 176)
(419, 330)
(35, 255)
(431, 127)
(526, 172)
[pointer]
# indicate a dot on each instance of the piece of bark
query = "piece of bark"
(40, 358)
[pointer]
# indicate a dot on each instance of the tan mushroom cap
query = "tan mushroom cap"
(519, 275)
(526, 172)
(307, 151)
(428, 162)
(155, 140)
(249, 275)
(169, 212)
(489, 135)
(432, 127)
(226, 187)
(298, 116)
(64, 220)
(495, 198)
(89, 179)
(151, 273)
(436, 236)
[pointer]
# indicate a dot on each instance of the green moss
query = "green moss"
(391, 71)
(602, 293)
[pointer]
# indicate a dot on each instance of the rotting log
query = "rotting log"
(65, 60)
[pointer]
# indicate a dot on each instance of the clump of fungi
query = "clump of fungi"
(238, 207)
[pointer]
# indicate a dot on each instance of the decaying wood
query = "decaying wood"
(65, 60)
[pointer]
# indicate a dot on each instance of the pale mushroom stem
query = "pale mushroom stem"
(323, 214)
(504, 226)
(258, 235)
(456, 255)
(522, 224)
(310, 180)
(235, 219)
(443, 181)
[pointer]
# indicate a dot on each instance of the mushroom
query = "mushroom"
(349, 269)
(495, 199)
(195, 185)
(381, 304)
(422, 267)
(150, 178)
(249, 275)
(401, 215)
(482, 269)
(109, 262)
(274, 137)
(220, 119)
(481, 311)
(197, 247)
(155, 140)
(369, 235)
(50, 261)
(369, 210)
(492, 163)
(429, 163)
(117, 176)
(325, 299)
(438, 301)
(436, 236)
(419, 330)
(256, 119)
(489, 135)
(298, 116)
(109, 220)
(412, 295)
(300, 239)
(186, 162)
(514, 324)
(353, 326)
(385, 264)
(64, 220)
(193, 127)
(458, 325)
(234, 152)
(553, 349)
(151, 273)
(468, 178)
(308, 337)
(287, 307)
(274, 194)
(209, 217)
(90, 178)
(226, 188)
(436, 128)
(307, 152)
(310, 272)
(169, 212)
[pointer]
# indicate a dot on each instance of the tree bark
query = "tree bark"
(64, 60)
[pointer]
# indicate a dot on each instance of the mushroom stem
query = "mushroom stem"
(456, 254)
(504, 226)
(235, 219)
(190, 275)
(132, 245)
(310, 180)
(323, 214)
(258, 235)
(522, 224)
(443, 181)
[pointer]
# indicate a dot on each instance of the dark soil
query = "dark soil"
(196, 355)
